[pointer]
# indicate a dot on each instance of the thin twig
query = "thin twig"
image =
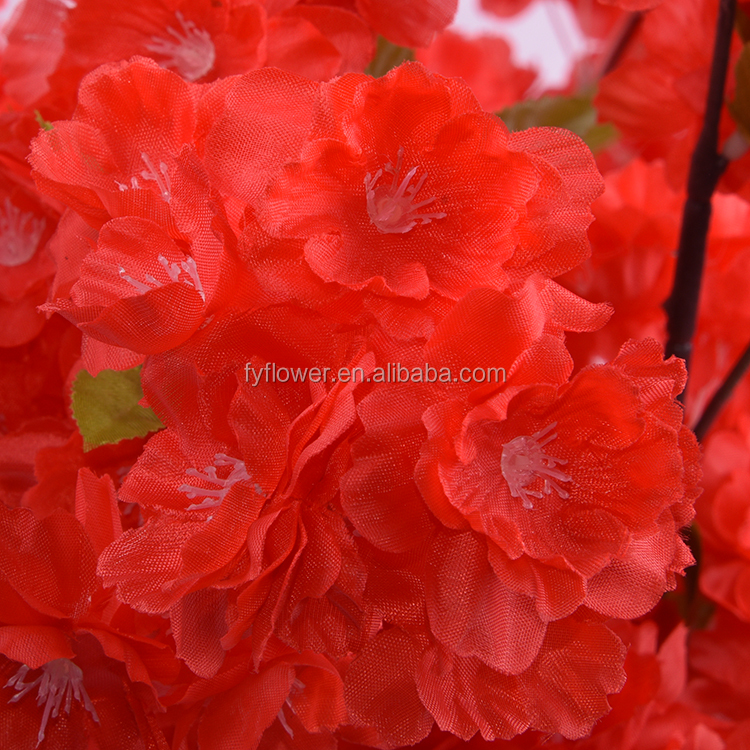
(624, 34)
(706, 168)
(721, 396)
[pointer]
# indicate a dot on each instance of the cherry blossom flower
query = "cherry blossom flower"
(390, 203)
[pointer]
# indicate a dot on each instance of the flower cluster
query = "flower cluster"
(194, 560)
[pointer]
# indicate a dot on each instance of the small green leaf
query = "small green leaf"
(106, 407)
(574, 113)
(43, 124)
(388, 56)
(739, 107)
(600, 136)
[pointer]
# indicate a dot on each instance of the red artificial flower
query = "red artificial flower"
(719, 659)
(632, 259)
(56, 467)
(444, 199)
(17, 457)
(244, 528)
(399, 682)
(294, 701)
(103, 169)
(26, 226)
(654, 709)
(724, 515)
(32, 376)
(484, 63)
(409, 23)
(319, 41)
(284, 278)
(59, 641)
(141, 291)
(448, 632)
(656, 96)
(197, 39)
(34, 46)
(378, 493)
(632, 266)
(258, 123)
(545, 480)
(724, 311)
(483, 599)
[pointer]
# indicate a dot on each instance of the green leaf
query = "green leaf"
(739, 107)
(388, 56)
(106, 407)
(574, 113)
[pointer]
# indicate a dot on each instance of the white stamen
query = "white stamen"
(189, 267)
(19, 235)
(173, 271)
(523, 461)
(162, 180)
(214, 498)
(142, 288)
(192, 54)
(284, 723)
(391, 207)
(133, 184)
(59, 679)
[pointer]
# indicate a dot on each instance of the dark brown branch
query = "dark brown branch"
(721, 396)
(625, 34)
(706, 168)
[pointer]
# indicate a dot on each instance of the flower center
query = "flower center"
(19, 235)
(212, 498)
(60, 679)
(524, 461)
(161, 178)
(173, 270)
(391, 207)
(191, 53)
